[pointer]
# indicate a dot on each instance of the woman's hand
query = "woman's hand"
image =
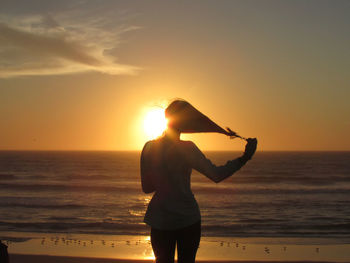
(250, 148)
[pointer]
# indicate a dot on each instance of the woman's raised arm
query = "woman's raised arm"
(199, 162)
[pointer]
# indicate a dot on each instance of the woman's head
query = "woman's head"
(175, 115)
(185, 118)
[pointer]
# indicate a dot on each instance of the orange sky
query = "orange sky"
(80, 76)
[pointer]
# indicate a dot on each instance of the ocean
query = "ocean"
(277, 194)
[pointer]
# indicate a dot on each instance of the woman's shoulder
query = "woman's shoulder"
(149, 145)
(187, 145)
(152, 145)
(184, 145)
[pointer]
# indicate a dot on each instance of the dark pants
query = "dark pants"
(187, 240)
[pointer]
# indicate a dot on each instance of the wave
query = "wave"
(63, 218)
(74, 227)
(233, 230)
(69, 206)
(197, 189)
(81, 177)
(8, 177)
(44, 206)
(37, 177)
(263, 191)
(69, 187)
(274, 229)
(311, 180)
(15, 239)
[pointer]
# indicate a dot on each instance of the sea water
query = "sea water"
(277, 194)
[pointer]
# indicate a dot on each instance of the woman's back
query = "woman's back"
(173, 204)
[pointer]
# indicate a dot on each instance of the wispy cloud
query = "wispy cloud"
(62, 44)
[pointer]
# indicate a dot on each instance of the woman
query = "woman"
(166, 166)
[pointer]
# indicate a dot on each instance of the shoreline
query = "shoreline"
(21, 258)
(71, 248)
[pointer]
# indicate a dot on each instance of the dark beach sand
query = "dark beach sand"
(17, 258)
(74, 248)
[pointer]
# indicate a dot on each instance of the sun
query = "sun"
(154, 123)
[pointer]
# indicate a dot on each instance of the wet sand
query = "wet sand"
(16, 258)
(74, 248)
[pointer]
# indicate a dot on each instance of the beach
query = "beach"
(37, 247)
(53, 259)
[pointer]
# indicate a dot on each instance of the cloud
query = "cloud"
(43, 45)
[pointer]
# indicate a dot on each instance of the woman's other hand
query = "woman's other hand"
(250, 148)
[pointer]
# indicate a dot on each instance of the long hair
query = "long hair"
(185, 118)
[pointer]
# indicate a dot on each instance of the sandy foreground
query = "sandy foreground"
(17, 258)
(73, 248)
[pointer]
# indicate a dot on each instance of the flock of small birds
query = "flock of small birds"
(113, 244)
(137, 242)
(69, 241)
(266, 249)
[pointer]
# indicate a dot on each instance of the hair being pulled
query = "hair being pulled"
(185, 118)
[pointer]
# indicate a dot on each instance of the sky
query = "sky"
(81, 75)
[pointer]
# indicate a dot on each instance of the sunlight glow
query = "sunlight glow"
(154, 123)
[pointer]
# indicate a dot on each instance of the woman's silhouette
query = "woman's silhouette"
(166, 166)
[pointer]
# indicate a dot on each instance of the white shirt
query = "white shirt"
(166, 167)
